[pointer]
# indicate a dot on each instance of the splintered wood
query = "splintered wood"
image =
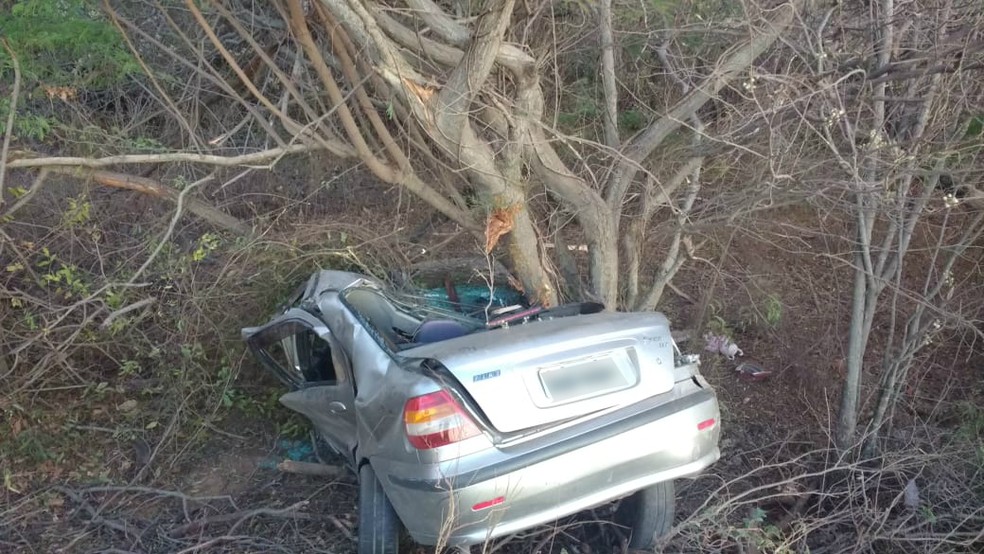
(500, 222)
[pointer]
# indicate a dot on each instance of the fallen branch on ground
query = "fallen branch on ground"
(307, 468)
(131, 531)
(154, 188)
(199, 524)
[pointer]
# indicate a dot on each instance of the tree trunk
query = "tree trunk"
(847, 415)
(525, 261)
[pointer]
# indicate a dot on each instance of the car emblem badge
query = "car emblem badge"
(486, 375)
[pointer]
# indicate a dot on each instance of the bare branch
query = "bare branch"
(674, 257)
(299, 26)
(165, 97)
(39, 181)
(125, 310)
(325, 138)
(608, 75)
(205, 72)
(9, 130)
(285, 81)
(261, 159)
(511, 57)
(453, 102)
(290, 512)
(655, 196)
(643, 144)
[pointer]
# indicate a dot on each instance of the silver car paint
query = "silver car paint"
(545, 344)
(433, 490)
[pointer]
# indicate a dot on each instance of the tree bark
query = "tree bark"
(867, 284)
(610, 115)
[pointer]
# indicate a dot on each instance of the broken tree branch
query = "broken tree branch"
(154, 188)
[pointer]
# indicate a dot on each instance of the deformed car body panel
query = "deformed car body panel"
(544, 488)
(546, 459)
(512, 363)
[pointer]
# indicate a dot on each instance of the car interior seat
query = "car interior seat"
(436, 330)
(380, 315)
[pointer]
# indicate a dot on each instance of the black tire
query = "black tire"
(379, 526)
(648, 514)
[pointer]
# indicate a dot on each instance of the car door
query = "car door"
(299, 349)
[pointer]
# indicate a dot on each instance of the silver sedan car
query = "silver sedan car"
(464, 426)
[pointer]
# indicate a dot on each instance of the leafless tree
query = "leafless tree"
(453, 90)
(896, 102)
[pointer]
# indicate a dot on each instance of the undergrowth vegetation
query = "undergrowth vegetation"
(132, 334)
(923, 494)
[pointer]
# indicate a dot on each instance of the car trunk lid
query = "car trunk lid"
(546, 372)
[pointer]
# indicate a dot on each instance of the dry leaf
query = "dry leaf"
(911, 495)
(500, 223)
(127, 406)
(64, 93)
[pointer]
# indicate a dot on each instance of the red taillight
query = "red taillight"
(435, 419)
(706, 424)
(488, 503)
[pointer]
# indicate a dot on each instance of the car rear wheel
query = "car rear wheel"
(648, 514)
(379, 526)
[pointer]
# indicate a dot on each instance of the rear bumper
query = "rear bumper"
(556, 480)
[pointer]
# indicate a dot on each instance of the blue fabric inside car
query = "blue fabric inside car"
(439, 329)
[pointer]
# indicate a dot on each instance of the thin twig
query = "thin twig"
(213, 542)
(241, 516)
(39, 180)
(170, 229)
(158, 492)
(9, 131)
(127, 309)
(258, 159)
(95, 517)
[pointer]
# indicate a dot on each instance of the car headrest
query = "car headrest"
(437, 330)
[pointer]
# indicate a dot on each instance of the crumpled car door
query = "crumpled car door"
(299, 349)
